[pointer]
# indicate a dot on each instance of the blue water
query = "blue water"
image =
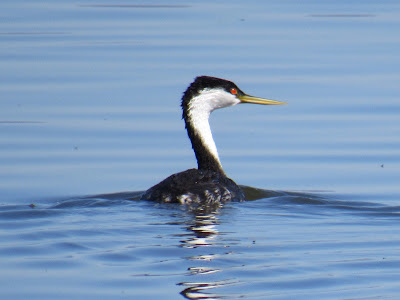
(90, 118)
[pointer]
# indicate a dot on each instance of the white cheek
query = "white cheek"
(209, 100)
(224, 99)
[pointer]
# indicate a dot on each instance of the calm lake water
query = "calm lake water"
(90, 118)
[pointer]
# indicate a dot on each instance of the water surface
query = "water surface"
(89, 109)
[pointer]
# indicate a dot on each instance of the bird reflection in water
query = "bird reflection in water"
(197, 290)
(203, 232)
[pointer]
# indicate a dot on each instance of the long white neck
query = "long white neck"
(198, 126)
(199, 119)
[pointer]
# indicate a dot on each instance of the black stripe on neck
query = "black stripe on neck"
(205, 160)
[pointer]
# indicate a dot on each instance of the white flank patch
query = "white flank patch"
(188, 198)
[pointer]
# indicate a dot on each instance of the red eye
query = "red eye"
(233, 91)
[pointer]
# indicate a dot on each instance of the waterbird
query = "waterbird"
(208, 183)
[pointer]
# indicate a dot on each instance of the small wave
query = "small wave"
(101, 200)
(320, 203)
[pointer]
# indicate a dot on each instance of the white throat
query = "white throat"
(200, 108)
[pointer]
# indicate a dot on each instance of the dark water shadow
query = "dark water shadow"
(134, 5)
(343, 15)
(321, 203)
(101, 200)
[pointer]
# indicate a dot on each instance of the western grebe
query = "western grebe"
(209, 182)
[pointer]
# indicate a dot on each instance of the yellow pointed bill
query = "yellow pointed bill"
(256, 100)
